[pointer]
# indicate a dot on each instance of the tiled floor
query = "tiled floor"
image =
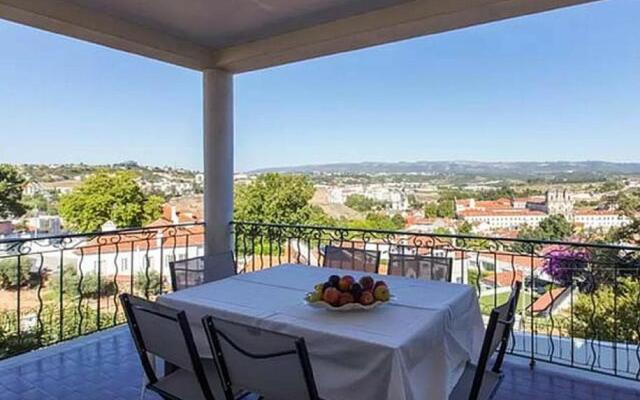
(105, 366)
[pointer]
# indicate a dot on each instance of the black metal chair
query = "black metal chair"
(271, 364)
(351, 258)
(192, 272)
(420, 266)
(476, 382)
(164, 332)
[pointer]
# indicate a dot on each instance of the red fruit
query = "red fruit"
(366, 282)
(345, 283)
(345, 298)
(331, 296)
(366, 298)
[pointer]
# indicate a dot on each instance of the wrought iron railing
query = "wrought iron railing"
(580, 306)
(60, 287)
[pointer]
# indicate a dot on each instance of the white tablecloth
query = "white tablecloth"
(411, 348)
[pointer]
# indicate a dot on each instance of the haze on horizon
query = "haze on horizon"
(560, 85)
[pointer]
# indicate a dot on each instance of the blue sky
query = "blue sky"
(563, 85)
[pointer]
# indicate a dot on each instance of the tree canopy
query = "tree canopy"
(278, 198)
(377, 221)
(363, 203)
(11, 183)
(554, 227)
(443, 208)
(610, 313)
(106, 197)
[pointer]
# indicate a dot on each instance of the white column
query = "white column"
(218, 160)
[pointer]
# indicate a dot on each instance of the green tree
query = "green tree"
(465, 228)
(554, 227)
(443, 208)
(11, 183)
(377, 221)
(277, 198)
(598, 315)
(610, 186)
(414, 204)
(363, 203)
(41, 203)
(106, 197)
(12, 276)
(73, 287)
(151, 286)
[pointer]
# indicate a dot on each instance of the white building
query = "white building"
(396, 197)
(513, 213)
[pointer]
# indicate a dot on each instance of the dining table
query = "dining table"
(413, 347)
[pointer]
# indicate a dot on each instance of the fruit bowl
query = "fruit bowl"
(346, 294)
(345, 307)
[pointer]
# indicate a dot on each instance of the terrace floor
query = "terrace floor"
(105, 366)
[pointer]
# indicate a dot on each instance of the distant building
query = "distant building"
(512, 213)
(154, 246)
(394, 196)
(45, 224)
(6, 228)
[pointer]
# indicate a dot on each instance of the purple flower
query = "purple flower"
(565, 265)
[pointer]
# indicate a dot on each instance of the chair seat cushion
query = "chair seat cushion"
(462, 390)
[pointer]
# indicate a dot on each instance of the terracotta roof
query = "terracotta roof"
(146, 238)
(521, 261)
(503, 279)
(546, 300)
(501, 212)
(484, 204)
(590, 211)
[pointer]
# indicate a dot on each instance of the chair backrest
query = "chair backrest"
(186, 273)
(421, 266)
(165, 333)
(496, 338)
(219, 266)
(351, 258)
(271, 364)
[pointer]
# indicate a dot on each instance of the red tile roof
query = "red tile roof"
(503, 279)
(546, 300)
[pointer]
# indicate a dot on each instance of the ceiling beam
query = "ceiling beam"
(408, 20)
(72, 20)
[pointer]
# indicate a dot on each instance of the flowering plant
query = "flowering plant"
(565, 265)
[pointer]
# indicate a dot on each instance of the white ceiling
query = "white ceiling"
(222, 23)
(245, 35)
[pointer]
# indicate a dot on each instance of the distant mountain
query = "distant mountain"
(524, 169)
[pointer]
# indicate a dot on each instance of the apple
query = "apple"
(345, 298)
(345, 283)
(366, 282)
(334, 280)
(356, 291)
(379, 283)
(314, 297)
(366, 298)
(381, 293)
(331, 296)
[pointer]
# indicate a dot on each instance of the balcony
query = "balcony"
(575, 336)
(105, 366)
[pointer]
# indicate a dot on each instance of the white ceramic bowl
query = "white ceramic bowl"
(346, 307)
